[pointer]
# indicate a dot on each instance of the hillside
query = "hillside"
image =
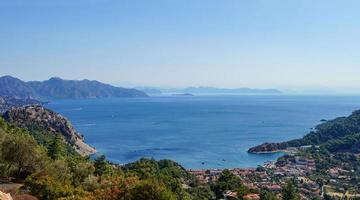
(16, 88)
(334, 134)
(57, 88)
(35, 117)
(50, 172)
(7, 103)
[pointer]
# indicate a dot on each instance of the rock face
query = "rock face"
(6, 103)
(57, 88)
(266, 148)
(5, 196)
(36, 115)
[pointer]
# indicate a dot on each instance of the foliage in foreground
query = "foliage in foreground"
(51, 170)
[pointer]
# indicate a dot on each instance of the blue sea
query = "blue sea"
(201, 131)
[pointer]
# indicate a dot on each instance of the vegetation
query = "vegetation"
(265, 195)
(51, 170)
(289, 192)
(340, 130)
(338, 135)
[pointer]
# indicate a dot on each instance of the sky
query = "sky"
(297, 44)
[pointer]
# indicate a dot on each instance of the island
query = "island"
(184, 95)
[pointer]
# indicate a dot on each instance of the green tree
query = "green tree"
(226, 181)
(289, 192)
(265, 195)
(150, 190)
(52, 182)
(144, 168)
(242, 190)
(56, 149)
(80, 169)
(202, 193)
(21, 153)
(101, 165)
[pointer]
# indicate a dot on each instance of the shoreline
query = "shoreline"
(270, 152)
(98, 153)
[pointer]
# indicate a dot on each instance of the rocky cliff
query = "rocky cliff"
(40, 117)
(5, 196)
(6, 103)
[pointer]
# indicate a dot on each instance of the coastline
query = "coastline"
(232, 147)
(269, 152)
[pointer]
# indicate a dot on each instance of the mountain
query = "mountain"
(214, 90)
(40, 118)
(183, 95)
(340, 134)
(16, 88)
(150, 91)
(57, 88)
(230, 91)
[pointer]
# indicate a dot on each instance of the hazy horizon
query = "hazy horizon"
(285, 45)
(285, 90)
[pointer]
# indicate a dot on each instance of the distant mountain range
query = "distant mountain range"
(57, 88)
(208, 90)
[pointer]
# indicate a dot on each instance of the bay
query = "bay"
(198, 132)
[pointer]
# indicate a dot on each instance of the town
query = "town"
(272, 176)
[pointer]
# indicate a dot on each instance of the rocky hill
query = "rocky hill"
(6, 103)
(40, 117)
(57, 88)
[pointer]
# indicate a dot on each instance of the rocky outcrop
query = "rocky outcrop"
(5, 196)
(266, 148)
(6, 103)
(40, 117)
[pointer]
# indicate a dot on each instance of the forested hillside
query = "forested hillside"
(50, 169)
(340, 134)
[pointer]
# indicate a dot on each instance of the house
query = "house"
(304, 163)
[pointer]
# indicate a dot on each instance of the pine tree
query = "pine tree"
(55, 148)
(289, 192)
(100, 165)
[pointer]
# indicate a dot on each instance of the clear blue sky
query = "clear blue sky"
(224, 43)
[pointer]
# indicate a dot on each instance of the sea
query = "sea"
(199, 132)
